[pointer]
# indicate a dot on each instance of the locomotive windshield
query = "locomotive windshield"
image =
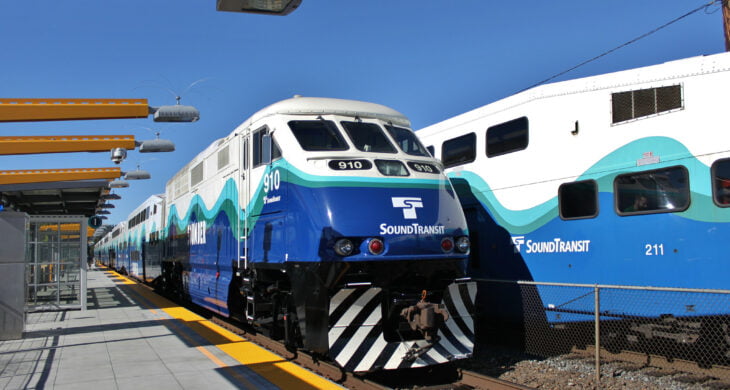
(407, 141)
(368, 137)
(319, 135)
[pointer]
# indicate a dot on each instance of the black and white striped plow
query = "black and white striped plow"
(357, 339)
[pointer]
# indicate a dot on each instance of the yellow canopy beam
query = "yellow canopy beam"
(63, 144)
(24, 110)
(50, 175)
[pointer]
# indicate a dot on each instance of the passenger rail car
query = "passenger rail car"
(326, 222)
(142, 238)
(617, 179)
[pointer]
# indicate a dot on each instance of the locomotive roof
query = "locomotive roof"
(306, 106)
(316, 106)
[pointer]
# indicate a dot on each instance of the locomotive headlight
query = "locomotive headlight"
(344, 247)
(447, 244)
(376, 246)
(463, 244)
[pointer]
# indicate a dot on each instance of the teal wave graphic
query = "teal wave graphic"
(622, 160)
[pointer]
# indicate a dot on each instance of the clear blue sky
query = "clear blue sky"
(427, 59)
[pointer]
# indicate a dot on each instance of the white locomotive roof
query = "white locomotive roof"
(317, 106)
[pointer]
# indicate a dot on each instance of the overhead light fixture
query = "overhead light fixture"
(269, 7)
(106, 206)
(138, 174)
(118, 184)
(103, 212)
(156, 145)
(176, 113)
(110, 197)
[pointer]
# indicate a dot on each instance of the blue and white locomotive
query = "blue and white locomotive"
(326, 222)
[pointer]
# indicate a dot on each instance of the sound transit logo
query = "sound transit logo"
(409, 206)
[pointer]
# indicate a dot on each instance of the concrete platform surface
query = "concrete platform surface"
(131, 338)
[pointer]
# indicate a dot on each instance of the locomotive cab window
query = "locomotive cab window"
(578, 200)
(459, 150)
(275, 150)
(721, 182)
(368, 137)
(319, 135)
(663, 190)
(391, 168)
(431, 150)
(407, 141)
(257, 146)
(507, 137)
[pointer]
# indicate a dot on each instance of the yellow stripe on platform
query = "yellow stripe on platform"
(275, 369)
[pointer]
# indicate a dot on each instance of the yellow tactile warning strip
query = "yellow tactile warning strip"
(278, 371)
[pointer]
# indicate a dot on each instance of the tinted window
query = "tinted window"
(257, 147)
(578, 200)
(431, 150)
(275, 150)
(507, 137)
(391, 168)
(658, 191)
(407, 141)
(460, 150)
(368, 137)
(318, 135)
(721, 182)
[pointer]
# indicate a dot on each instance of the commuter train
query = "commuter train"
(616, 179)
(324, 221)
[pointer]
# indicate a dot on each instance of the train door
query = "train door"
(143, 256)
(268, 177)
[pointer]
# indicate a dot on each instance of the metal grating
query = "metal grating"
(645, 102)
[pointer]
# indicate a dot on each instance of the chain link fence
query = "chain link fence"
(676, 328)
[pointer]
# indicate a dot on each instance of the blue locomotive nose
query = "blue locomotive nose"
(410, 223)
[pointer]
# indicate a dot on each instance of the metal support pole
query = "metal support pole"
(597, 314)
(84, 263)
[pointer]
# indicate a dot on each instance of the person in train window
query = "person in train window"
(640, 203)
(724, 197)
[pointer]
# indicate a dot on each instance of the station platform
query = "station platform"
(131, 338)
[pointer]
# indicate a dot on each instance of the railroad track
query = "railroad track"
(467, 379)
(657, 361)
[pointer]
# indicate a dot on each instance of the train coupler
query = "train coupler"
(427, 318)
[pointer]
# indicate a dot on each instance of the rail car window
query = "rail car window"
(578, 200)
(318, 135)
(507, 137)
(659, 191)
(196, 174)
(721, 182)
(644, 102)
(368, 137)
(407, 141)
(391, 168)
(459, 150)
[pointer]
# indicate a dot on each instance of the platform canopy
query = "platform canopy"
(81, 197)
